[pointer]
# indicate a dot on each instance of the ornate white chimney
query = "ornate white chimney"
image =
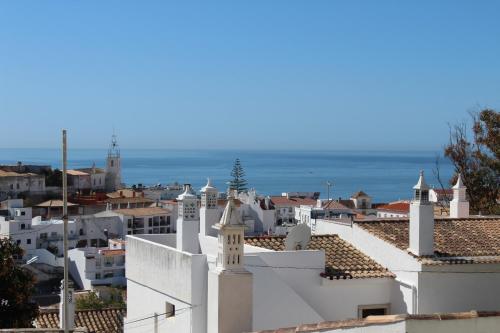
(421, 220)
(459, 206)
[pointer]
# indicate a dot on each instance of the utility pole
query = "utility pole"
(65, 232)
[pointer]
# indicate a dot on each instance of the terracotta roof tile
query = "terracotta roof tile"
(400, 207)
(129, 200)
(359, 194)
(4, 173)
(77, 173)
(96, 321)
(466, 237)
(332, 204)
(328, 326)
(292, 201)
(54, 203)
(113, 252)
(342, 259)
(145, 211)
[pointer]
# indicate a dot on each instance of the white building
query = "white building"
(34, 233)
(399, 209)
(324, 209)
(98, 266)
(199, 283)
(87, 179)
(441, 196)
(441, 265)
(147, 220)
(13, 183)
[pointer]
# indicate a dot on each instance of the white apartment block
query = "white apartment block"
(99, 266)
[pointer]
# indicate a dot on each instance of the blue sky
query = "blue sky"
(245, 74)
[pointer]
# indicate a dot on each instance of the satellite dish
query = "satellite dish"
(298, 238)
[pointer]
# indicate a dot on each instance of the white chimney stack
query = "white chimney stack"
(459, 206)
(421, 220)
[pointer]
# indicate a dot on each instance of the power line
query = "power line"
(157, 315)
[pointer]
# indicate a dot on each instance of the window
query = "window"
(28, 241)
(229, 239)
(17, 186)
(97, 275)
(373, 310)
(43, 235)
(112, 163)
(23, 226)
(169, 310)
(425, 195)
(23, 213)
(239, 239)
(18, 242)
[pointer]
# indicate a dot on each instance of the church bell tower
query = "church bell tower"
(113, 166)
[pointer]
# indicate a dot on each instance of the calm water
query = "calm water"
(383, 175)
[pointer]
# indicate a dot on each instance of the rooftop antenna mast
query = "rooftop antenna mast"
(65, 231)
(328, 186)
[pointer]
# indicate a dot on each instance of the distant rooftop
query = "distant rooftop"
(145, 211)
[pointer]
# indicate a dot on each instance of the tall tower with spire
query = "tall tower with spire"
(208, 211)
(113, 166)
(229, 283)
(459, 206)
(188, 221)
(421, 220)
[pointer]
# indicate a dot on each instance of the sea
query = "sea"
(384, 175)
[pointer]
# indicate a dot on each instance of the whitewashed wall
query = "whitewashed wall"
(157, 274)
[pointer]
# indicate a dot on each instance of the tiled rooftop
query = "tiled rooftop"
(113, 252)
(466, 237)
(359, 194)
(332, 204)
(96, 321)
(146, 211)
(397, 207)
(342, 259)
(292, 201)
(4, 173)
(342, 325)
(129, 200)
(54, 203)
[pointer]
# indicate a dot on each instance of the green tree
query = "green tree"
(238, 183)
(53, 177)
(478, 161)
(91, 301)
(17, 310)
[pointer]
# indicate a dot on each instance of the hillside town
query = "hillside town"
(267, 166)
(180, 259)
